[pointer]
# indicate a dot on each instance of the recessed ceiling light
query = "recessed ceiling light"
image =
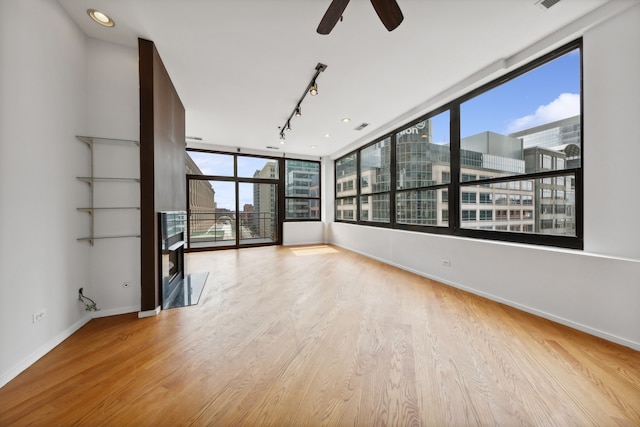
(101, 18)
(313, 146)
(326, 135)
(346, 120)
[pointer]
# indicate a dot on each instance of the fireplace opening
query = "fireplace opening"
(178, 288)
(172, 229)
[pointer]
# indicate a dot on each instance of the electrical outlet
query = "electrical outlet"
(39, 315)
(446, 263)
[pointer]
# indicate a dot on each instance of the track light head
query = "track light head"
(312, 89)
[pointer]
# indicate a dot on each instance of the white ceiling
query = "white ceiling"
(240, 66)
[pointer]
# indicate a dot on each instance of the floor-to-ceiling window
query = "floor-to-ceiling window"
(237, 200)
(232, 200)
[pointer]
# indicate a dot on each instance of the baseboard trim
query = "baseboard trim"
(114, 311)
(12, 373)
(549, 316)
(149, 313)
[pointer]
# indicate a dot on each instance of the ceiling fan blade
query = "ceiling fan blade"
(331, 16)
(389, 13)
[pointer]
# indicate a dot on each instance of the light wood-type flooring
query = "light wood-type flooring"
(319, 336)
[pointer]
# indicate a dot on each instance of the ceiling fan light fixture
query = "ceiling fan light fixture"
(101, 18)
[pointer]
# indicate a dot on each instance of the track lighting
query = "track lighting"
(311, 88)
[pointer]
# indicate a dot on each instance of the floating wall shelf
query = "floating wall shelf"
(91, 180)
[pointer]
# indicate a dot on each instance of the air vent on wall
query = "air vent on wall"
(546, 4)
(362, 126)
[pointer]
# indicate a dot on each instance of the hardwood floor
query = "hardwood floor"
(312, 336)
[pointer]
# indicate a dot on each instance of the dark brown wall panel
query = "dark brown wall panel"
(162, 165)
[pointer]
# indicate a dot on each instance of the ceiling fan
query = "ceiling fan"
(388, 11)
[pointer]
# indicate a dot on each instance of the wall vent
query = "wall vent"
(546, 4)
(362, 126)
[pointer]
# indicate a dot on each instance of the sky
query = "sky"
(543, 95)
(222, 165)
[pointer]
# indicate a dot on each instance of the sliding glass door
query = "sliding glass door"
(212, 213)
(233, 201)
(259, 216)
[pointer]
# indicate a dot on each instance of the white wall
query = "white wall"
(56, 84)
(309, 233)
(612, 136)
(114, 112)
(42, 107)
(303, 233)
(596, 290)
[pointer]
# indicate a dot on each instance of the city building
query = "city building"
(202, 201)
(264, 223)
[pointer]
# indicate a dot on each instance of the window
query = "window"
(506, 151)
(486, 215)
(211, 164)
(501, 199)
(250, 167)
(302, 190)
(346, 175)
(468, 197)
(486, 198)
(468, 215)
(375, 171)
(423, 171)
(233, 199)
(419, 207)
(423, 153)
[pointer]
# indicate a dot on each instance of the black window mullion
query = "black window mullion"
(281, 213)
(356, 212)
(392, 181)
(454, 186)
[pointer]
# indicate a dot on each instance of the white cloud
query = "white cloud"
(564, 106)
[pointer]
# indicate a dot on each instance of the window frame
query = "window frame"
(456, 186)
(317, 198)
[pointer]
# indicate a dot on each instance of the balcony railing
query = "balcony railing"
(216, 228)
